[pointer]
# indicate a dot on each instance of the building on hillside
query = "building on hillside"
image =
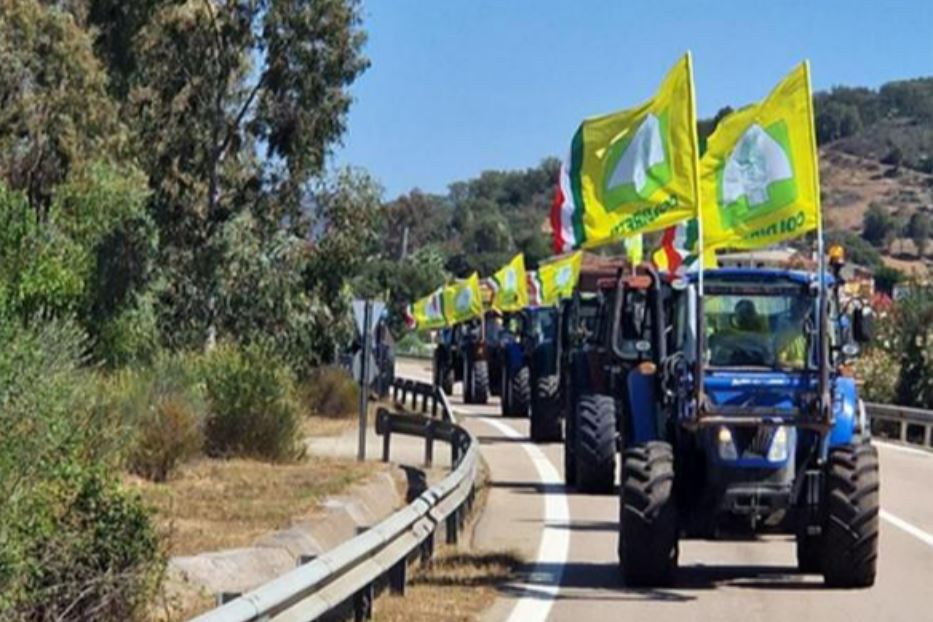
(782, 257)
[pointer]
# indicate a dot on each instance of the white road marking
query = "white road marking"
(552, 551)
(900, 523)
(902, 448)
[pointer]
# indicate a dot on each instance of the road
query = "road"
(572, 541)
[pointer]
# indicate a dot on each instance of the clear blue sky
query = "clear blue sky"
(460, 86)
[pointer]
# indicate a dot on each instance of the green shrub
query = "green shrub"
(92, 553)
(73, 544)
(412, 345)
(253, 410)
(878, 369)
(164, 409)
(331, 392)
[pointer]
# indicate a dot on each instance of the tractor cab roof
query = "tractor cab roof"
(758, 275)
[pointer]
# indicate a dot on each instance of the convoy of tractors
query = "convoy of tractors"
(714, 415)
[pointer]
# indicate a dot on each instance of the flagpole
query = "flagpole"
(823, 328)
(701, 320)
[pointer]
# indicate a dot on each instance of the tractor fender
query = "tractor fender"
(642, 407)
(514, 356)
(544, 359)
(845, 412)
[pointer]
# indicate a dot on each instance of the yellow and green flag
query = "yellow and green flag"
(462, 300)
(759, 175)
(510, 287)
(428, 312)
(558, 278)
(631, 171)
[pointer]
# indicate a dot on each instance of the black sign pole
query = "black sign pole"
(364, 376)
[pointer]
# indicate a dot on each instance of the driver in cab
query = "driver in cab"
(743, 341)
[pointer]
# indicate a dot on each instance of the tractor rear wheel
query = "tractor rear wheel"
(850, 533)
(809, 553)
(570, 457)
(595, 446)
(545, 410)
(648, 515)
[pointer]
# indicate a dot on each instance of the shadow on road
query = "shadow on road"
(536, 488)
(485, 439)
(580, 581)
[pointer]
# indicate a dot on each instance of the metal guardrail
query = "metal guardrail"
(402, 389)
(349, 575)
(913, 426)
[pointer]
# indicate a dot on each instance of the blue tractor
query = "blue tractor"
(516, 337)
(460, 356)
(765, 434)
(601, 365)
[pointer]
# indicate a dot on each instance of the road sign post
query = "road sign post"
(366, 337)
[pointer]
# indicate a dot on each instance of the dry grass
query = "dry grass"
(458, 585)
(219, 504)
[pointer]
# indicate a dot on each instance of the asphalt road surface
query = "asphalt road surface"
(570, 542)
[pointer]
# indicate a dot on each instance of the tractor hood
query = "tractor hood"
(773, 390)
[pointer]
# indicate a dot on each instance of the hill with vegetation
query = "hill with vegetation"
(876, 168)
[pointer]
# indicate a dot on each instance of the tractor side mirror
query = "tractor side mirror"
(863, 325)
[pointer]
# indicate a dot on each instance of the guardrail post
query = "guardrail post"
(398, 577)
(451, 527)
(363, 604)
(429, 444)
(225, 597)
(386, 440)
(454, 452)
(927, 435)
(903, 431)
(427, 548)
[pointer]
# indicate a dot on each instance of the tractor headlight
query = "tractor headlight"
(725, 444)
(778, 450)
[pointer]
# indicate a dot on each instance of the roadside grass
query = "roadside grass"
(220, 504)
(458, 585)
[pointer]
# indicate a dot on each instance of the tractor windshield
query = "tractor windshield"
(544, 324)
(759, 330)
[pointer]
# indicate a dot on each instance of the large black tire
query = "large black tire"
(850, 534)
(516, 392)
(570, 457)
(520, 392)
(443, 375)
(476, 383)
(648, 515)
(545, 410)
(494, 369)
(809, 553)
(595, 443)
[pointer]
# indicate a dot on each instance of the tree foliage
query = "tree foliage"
(877, 226)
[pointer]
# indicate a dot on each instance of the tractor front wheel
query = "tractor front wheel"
(545, 410)
(648, 515)
(850, 532)
(595, 444)
(476, 389)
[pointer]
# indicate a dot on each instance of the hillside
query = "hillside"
(876, 153)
